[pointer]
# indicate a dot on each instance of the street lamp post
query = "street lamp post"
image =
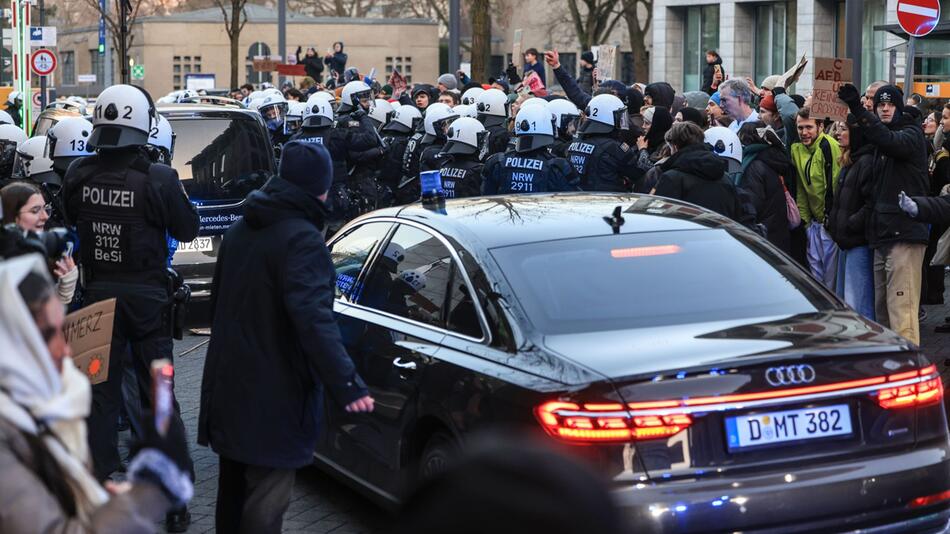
(281, 34)
(854, 20)
(454, 30)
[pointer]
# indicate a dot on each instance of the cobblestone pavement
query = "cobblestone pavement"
(319, 504)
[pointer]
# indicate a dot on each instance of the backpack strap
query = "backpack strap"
(829, 184)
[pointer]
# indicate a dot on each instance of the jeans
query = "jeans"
(897, 278)
(855, 280)
(822, 254)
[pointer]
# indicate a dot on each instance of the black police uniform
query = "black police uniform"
(390, 171)
(123, 207)
(496, 137)
(603, 163)
(461, 175)
(432, 156)
(364, 149)
(537, 171)
(409, 189)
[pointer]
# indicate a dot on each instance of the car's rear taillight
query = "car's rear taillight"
(928, 500)
(926, 392)
(605, 423)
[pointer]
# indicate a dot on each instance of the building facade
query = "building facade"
(171, 47)
(757, 39)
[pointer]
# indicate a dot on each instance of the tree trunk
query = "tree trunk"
(481, 39)
(235, 35)
(638, 47)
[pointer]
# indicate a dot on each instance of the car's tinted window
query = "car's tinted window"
(652, 279)
(351, 251)
(411, 277)
(220, 160)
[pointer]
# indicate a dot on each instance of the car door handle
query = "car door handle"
(406, 366)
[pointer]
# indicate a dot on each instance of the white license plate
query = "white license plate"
(774, 428)
(201, 244)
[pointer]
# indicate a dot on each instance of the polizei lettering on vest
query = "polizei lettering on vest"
(115, 198)
(452, 172)
(584, 148)
(524, 163)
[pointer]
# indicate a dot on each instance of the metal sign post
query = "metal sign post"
(21, 61)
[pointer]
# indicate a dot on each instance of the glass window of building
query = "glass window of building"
(775, 31)
(98, 65)
(874, 62)
(701, 33)
(68, 61)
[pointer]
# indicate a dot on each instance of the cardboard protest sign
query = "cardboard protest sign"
(606, 62)
(89, 334)
(830, 74)
(534, 84)
(517, 49)
(264, 64)
(793, 74)
(398, 83)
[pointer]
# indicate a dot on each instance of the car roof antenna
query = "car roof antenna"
(615, 221)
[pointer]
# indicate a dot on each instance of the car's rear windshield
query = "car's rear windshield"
(654, 279)
(220, 160)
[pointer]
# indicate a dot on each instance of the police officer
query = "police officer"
(318, 128)
(10, 138)
(601, 160)
(405, 121)
(67, 141)
(273, 107)
(461, 171)
(294, 117)
(530, 167)
(493, 108)
(364, 146)
(161, 142)
(438, 118)
(123, 206)
(566, 116)
(470, 96)
(14, 103)
(381, 112)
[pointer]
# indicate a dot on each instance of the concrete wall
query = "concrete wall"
(156, 44)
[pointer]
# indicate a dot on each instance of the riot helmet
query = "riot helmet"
(605, 113)
(406, 119)
(33, 163)
(67, 140)
(273, 108)
(491, 103)
(464, 136)
(356, 94)
(381, 112)
(724, 143)
(534, 128)
(438, 117)
(162, 138)
(123, 117)
(466, 111)
(470, 96)
(566, 115)
(294, 116)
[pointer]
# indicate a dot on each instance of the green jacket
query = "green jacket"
(810, 163)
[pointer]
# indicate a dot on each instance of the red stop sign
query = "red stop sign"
(918, 17)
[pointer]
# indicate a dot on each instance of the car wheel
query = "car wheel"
(438, 452)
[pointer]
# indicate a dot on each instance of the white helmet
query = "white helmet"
(464, 136)
(534, 101)
(186, 95)
(123, 117)
(14, 96)
(267, 85)
(605, 113)
(255, 103)
(11, 134)
(78, 100)
(163, 137)
(254, 95)
(67, 105)
(463, 110)
(395, 252)
(534, 128)
(353, 93)
(69, 138)
(5, 118)
(470, 97)
(271, 91)
(318, 112)
(325, 95)
(564, 112)
(381, 112)
(32, 162)
(406, 119)
(395, 104)
(437, 116)
(724, 142)
(273, 107)
(414, 278)
(294, 116)
(492, 103)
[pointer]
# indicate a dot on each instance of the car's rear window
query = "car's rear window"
(220, 160)
(654, 279)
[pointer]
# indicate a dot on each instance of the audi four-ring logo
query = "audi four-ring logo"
(788, 375)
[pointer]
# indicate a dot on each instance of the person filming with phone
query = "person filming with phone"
(44, 400)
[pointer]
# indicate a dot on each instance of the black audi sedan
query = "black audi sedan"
(713, 382)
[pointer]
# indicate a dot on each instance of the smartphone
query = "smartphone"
(372, 73)
(68, 253)
(163, 375)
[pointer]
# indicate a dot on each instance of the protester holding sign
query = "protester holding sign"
(898, 240)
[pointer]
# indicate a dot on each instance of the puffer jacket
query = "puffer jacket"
(849, 212)
(696, 175)
(27, 503)
(900, 164)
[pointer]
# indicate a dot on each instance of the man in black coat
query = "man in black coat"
(275, 345)
(312, 64)
(898, 241)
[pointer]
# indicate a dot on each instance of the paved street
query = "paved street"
(319, 504)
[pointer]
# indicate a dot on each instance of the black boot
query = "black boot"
(178, 520)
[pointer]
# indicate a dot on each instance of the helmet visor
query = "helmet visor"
(622, 119)
(274, 116)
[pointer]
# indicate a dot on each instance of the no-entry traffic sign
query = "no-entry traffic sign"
(43, 62)
(918, 17)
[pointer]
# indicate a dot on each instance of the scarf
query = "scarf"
(36, 398)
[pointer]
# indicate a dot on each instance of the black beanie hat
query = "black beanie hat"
(892, 94)
(308, 166)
